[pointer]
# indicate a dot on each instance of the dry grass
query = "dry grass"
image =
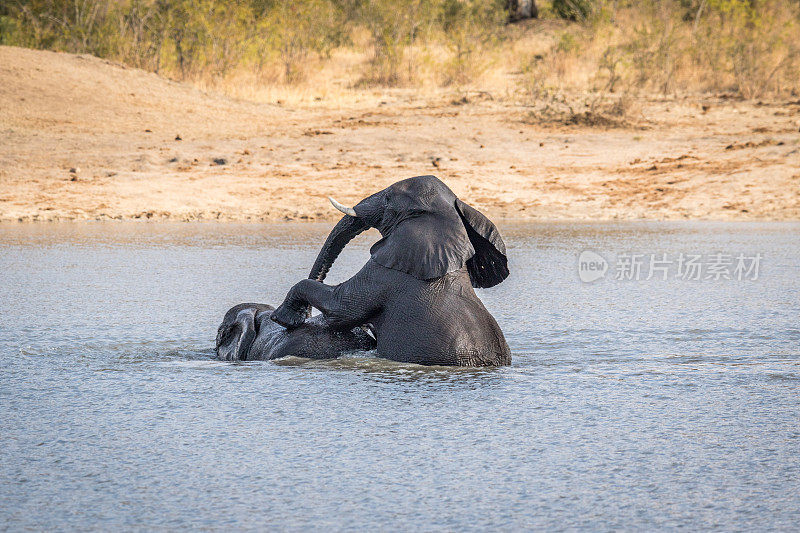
(290, 56)
(565, 71)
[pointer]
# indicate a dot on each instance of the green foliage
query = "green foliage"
(184, 38)
(577, 10)
(191, 39)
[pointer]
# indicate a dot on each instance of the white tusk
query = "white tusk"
(343, 208)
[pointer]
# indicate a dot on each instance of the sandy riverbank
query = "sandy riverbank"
(83, 138)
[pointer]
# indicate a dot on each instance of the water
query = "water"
(633, 405)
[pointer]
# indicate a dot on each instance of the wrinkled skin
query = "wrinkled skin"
(416, 291)
(247, 334)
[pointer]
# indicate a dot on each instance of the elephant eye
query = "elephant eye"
(388, 206)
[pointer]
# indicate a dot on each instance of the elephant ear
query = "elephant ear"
(489, 266)
(427, 246)
(430, 245)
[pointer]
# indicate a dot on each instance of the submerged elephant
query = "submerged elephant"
(416, 291)
(247, 334)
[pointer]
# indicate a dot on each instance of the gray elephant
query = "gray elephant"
(247, 334)
(416, 291)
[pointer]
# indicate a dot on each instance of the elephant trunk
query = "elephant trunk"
(344, 231)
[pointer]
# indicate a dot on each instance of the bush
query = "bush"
(747, 47)
(469, 27)
(577, 10)
(393, 26)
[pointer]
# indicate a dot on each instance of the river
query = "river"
(631, 404)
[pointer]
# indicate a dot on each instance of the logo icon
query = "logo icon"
(591, 266)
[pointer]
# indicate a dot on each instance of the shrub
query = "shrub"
(577, 10)
(469, 27)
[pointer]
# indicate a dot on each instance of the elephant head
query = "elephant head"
(426, 232)
(239, 330)
(247, 334)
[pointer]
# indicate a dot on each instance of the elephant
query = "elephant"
(415, 293)
(247, 334)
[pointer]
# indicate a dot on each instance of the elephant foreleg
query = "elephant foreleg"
(346, 306)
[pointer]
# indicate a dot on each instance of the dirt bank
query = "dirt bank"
(82, 138)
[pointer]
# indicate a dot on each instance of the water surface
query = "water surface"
(633, 405)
